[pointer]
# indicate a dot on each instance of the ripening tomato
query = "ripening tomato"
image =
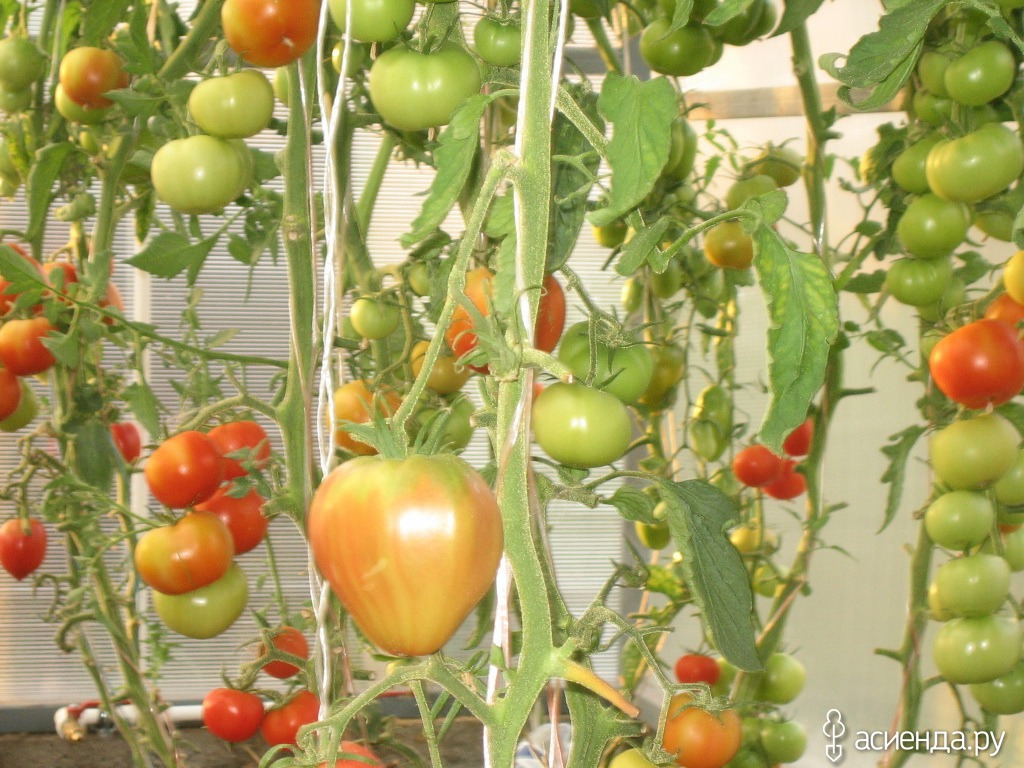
(243, 516)
(270, 33)
(1013, 276)
(727, 246)
(353, 749)
(281, 725)
(184, 470)
(979, 364)
(1006, 310)
(28, 409)
(446, 377)
(127, 439)
(10, 393)
(239, 441)
(700, 739)
(408, 546)
(757, 466)
(288, 640)
(191, 553)
(21, 551)
(21, 346)
(87, 73)
(353, 402)
(231, 714)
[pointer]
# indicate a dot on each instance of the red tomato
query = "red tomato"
(550, 314)
(788, 485)
(10, 393)
(798, 442)
(191, 553)
(184, 470)
(980, 364)
(354, 748)
(87, 73)
(243, 517)
(127, 439)
(231, 714)
(21, 552)
(697, 668)
(757, 466)
(409, 546)
(698, 738)
(270, 33)
(21, 346)
(246, 436)
(1006, 310)
(281, 725)
(290, 640)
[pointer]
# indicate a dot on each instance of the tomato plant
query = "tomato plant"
(289, 640)
(184, 469)
(208, 611)
(281, 724)
(22, 546)
(414, 90)
(393, 536)
(231, 714)
(580, 426)
(270, 33)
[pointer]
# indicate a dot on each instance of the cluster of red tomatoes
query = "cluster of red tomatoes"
(686, 50)
(198, 589)
(757, 466)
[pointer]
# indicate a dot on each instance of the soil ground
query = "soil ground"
(461, 748)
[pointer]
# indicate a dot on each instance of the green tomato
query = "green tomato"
(936, 609)
(982, 74)
(668, 282)
(13, 102)
(783, 742)
(498, 43)
(623, 371)
(669, 370)
(208, 611)
(781, 163)
(1009, 489)
(580, 426)
(682, 153)
(976, 650)
(631, 758)
(747, 758)
(1013, 549)
(908, 169)
(418, 276)
(683, 52)
(748, 187)
(974, 453)
(931, 109)
(611, 235)
(632, 295)
(655, 536)
(979, 165)
(973, 586)
(280, 84)
(374, 21)
(919, 282)
(198, 174)
(412, 90)
(710, 426)
(931, 69)
(784, 678)
(932, 227)
(375, 318)
(235, 106)
(458, 424)
(357, 56)
(21, 63)
(1004, 695)
(960, 520)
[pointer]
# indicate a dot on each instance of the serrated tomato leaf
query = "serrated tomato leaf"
(169, 254)
(898, 451)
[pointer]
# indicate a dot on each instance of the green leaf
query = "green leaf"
(681, 14)
(641, 114)
(866, 282)
(500, 220)
(64, 347)
(169, 254)
(570, 184)
(698, 515)
(144, 404)
(633, 504)
(725, 11)
(640, 249)
(135, 103)
(18, 271)
(898, 451)
(39, 185)
(94, 449)
(804, 321)
(885, 340)
(795, 13)
(456, 148)
(101, 19)
(883, 60)
(769, 206)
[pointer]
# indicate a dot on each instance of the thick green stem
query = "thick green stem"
(204, 26)
(368, 197)
(817, 135)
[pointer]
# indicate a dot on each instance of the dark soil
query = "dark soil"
(461, 748)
